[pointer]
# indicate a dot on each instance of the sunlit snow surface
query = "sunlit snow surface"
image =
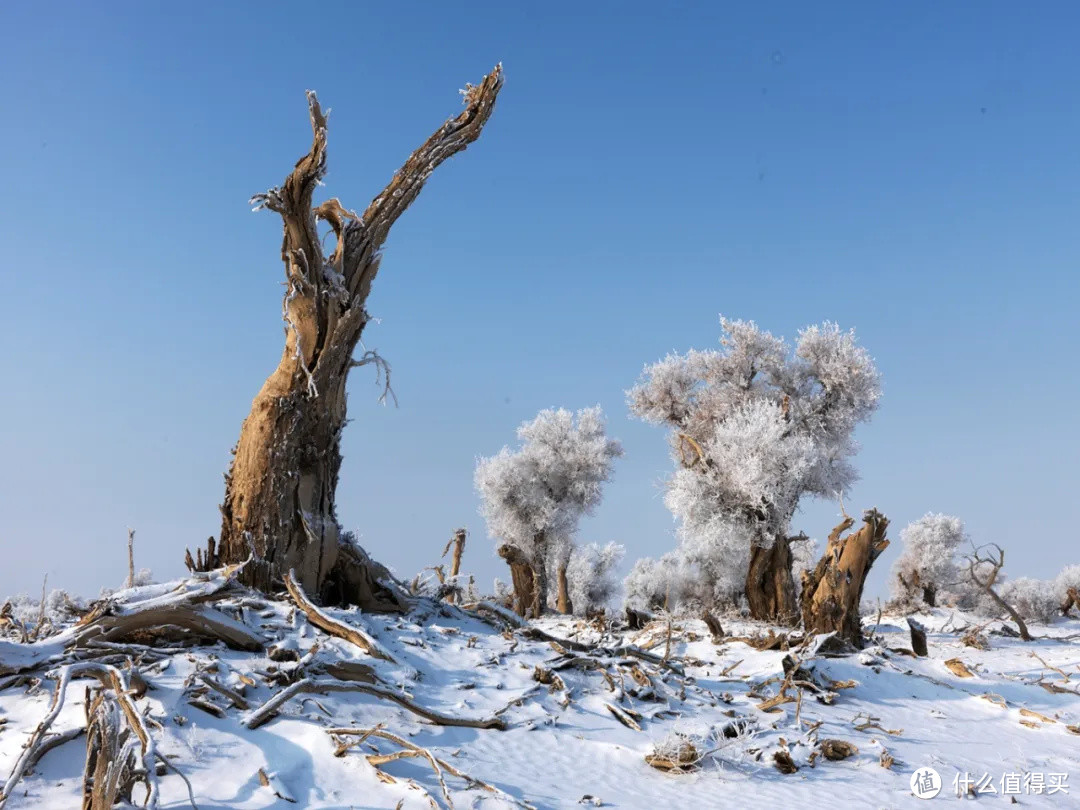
(551, 756)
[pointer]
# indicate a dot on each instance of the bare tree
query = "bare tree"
(983, 569)
(279, 504)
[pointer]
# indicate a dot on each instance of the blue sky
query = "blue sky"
(908, 171)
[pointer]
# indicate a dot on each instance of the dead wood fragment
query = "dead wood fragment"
(1042, 718)
(206, 706)
(959, 668)
(783, 762)
(683, 758)
(836, 750)
(275, 786)
(886, 759)
(623, 716)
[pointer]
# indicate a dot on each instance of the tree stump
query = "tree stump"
(918, 638)
(833, 589)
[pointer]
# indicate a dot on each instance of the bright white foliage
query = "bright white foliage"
(543, 488)
(755, 427)
(1068, 578)
(804, 556)
(929, 556)
(1032, 598)
(590, 574)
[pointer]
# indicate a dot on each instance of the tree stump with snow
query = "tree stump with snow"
(833, 589)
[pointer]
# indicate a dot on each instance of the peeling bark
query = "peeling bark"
(833, 589)
(279, 506)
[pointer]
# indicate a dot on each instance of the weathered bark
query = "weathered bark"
(831, 592)
(563, 603)
(770, 587)
(110, 772)
(521, 575)
(279, 506)
(538, 561)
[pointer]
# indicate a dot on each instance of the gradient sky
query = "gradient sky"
(909, 170)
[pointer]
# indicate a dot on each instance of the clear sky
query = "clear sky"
(909, 170)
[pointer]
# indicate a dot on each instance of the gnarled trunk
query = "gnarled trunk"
(831, 592)
(279, 493)
(770, 587)
(539, 572)
(521, 576)
(563, 603)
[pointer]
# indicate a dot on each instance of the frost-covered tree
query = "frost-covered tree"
(591, 576)
(1067, 589)
(928, 563)
(1034, 599)
(533, 498)
(755, 427)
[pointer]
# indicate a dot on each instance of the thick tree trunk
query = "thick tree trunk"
(770, 587)
(831, 592)
(929, 595)
(563, 603)
(1072, 600)
(540, 575)
(279, 495)
(521, 575)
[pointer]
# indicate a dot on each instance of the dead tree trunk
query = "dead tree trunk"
(457, 542)
(831, 592)
(992, 566)
(279, 494)
(563, 603)
(770, 587)
(521, 575)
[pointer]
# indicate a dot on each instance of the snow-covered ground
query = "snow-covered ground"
(562, 741)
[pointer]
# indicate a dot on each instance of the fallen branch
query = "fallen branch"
(354, 635)
(323, 686)
(154, 611)
(413, 750)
